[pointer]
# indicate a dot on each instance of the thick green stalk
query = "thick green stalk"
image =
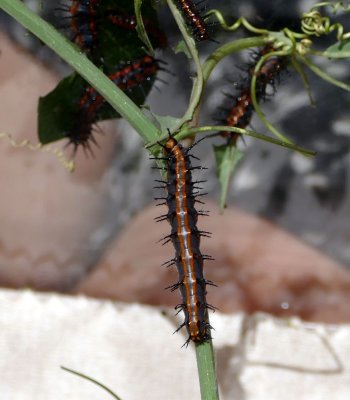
(60, 45)
(206, 371)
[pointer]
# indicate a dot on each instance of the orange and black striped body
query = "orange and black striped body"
(240, 114)
(128, 76)
(128, 22)
(185, 237)
(194, 20)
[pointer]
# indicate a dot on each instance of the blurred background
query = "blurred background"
(91, 233)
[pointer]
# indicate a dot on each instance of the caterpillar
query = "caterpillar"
(194, 20)
(240, 113)
(128, 21)
(83, 25)
(89, 18)
(128, 76)
(185, 236)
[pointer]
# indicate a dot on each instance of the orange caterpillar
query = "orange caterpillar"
(185, 236)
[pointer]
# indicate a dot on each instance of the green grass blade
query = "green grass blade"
(88, 378)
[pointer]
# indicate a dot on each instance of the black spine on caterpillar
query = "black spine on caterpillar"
(185, 236)
(240, 113)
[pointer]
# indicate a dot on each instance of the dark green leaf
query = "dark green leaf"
(57, 110)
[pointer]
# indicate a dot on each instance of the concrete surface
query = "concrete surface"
(131, 349)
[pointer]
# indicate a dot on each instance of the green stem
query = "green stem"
(256, 105)
(206, 371)
(237, 24)
(197, 87)
(322, 74)
(299, 69)
(228, 49)
(140, 27)
(260, 136)
(60, 45)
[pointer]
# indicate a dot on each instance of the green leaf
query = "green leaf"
(338, 50)
(227, 158)
(182, 47)
(164, 122)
